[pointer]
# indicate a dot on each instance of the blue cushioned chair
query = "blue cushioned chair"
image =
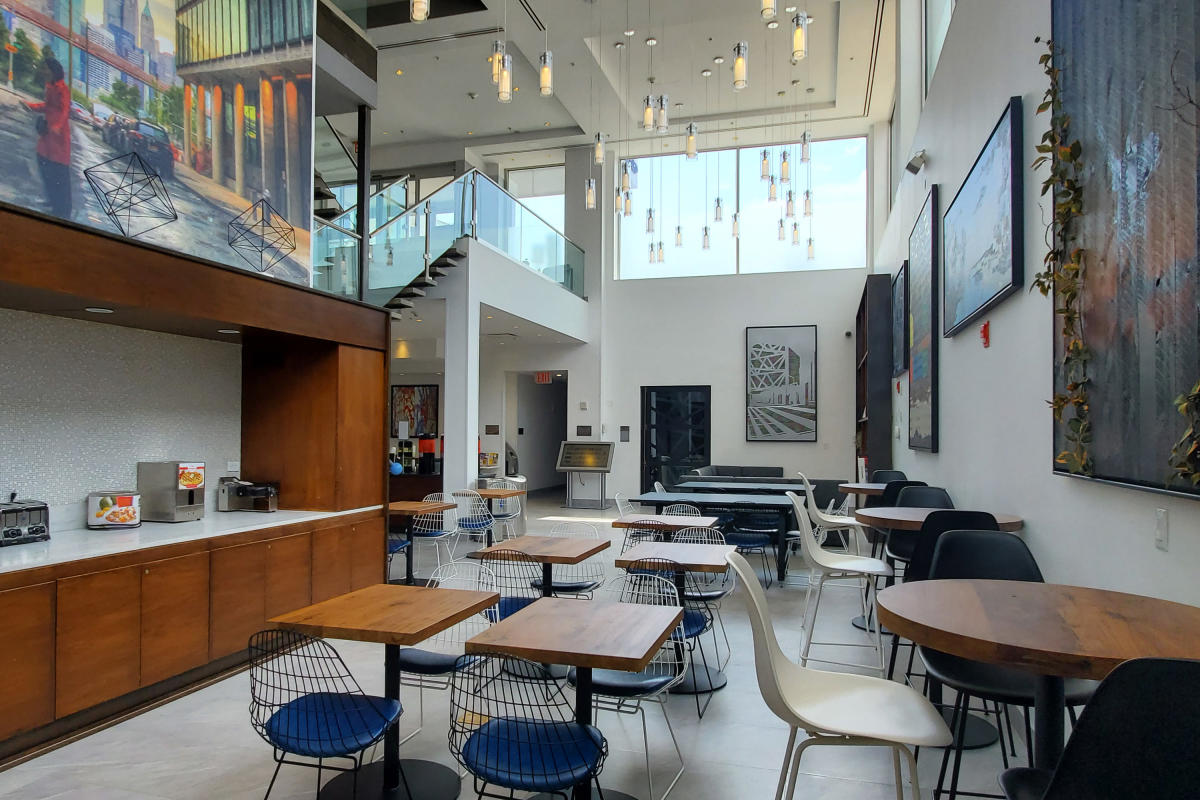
(754, 532)
(506, 510)
(474, 517)
(575, 580)
(710, 587)
(509, 732)
(304, 702)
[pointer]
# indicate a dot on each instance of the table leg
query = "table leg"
(583, 715)
(547, 580)
(781, 547)
(409, 523)
(391, 739)
(490, 535)
(1049, 705)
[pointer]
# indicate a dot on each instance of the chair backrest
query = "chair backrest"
(891, 492)
(815, 514)
(887, 476)
(698, 536)
(623, 505)
(808, 541)
(651, 589)
(590, 569)
(470, 506)
(983, 555)
(936, 523)
(505, 506)
(658, 487)
(682, 510)
(515, 574)
(444, 521)
(924, 497)
(1137, 736)
(643, 530)
(472, 576)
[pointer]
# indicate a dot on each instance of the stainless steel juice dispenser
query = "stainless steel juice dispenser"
(172, 491)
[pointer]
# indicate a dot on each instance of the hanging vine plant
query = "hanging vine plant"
(1063, 269)
(1185, 455)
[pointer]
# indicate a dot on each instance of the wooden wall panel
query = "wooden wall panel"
(238, 597)
(97, 638)
(26, 658)
(289, 568)
(367, 554)
(361, 433)
(175, 611)
(331, 562)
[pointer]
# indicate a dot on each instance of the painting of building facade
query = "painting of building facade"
(781, 384)
(213, 97)
(1130, 83)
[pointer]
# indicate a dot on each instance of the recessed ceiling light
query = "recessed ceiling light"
(229, 331)
(706, 72)
(516, 88)
(780, 93)
(98, 310)
(810, 90)
(546, 124)
(718, 59)
(489, 316)
(679, 105)
(470, 133)
(773, 24)
(651, 41)
(558, 374)
(630, 31)
(790, 9)
(420, 320)
(399, 72)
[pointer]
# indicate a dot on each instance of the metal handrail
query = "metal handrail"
(375, 194)
(522, 205)
(336, 227)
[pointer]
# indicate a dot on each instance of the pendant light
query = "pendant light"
(652, 254)
(765, 168)
(812, 253)
(740, 51)
(805, 155)
(504, 88)
(718, 211)
(617, 202)
(590, 196)
(662, 257)
(808, 202)
(768, 10)
(598, 150)
(736, 227)
(649, 220)
(772, 190)
(782, 230)
(795, 233)
(546, 75)
(663, 124)
(648, 113)
(418, 10)
(497, 59)
(679, 236)
(625, 176)
(791, 205)
(785, 168)
(705, 244)
(800, 36)
(690, 148)
(628, 205)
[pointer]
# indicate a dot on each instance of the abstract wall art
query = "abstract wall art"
(781, 383)
(416, 405)
(900, 321)
(923, 328)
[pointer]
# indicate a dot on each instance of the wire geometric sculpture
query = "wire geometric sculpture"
(131, 194)
(261, 236)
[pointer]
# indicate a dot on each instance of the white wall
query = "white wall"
(995, 428)
(542, 415)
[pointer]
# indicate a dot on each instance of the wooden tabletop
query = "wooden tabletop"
(410, 508)
(669, 522)
(499, 494)
(873, 489)
(581, 633)
(1067, 631)
(911, 519)
(548, 549)
(388, 614)
(692, 557)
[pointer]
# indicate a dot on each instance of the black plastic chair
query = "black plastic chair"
(887, 476)
(754, 532)
(900, 544)
(986, 555)
(1138, 737)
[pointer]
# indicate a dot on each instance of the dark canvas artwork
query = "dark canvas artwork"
(923, 328)
(1130, 85)
(900, 321)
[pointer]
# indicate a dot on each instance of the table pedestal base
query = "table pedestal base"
(609, 794)
(978, 732)
(860, 622)
(427, 779)
(698, 680)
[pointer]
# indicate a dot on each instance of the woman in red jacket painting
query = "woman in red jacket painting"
(54, 138)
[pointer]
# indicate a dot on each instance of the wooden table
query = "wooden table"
(587, 635)
(1054, 631)
(667, 522)
(409, 510)
(393, 616)
(548, 551)
(864, 489)
(911, 519)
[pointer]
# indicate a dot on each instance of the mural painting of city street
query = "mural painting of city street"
(781, 384)
(213, 96)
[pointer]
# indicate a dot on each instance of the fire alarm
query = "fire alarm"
(985, 333)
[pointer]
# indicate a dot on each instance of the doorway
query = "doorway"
(541, 425)
(676, 432)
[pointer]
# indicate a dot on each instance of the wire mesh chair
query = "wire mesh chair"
(754, 532)
(713, 586)
(305, 702)
(431, 665)
(506, 510)
(623, 505)
(474, 517)
(509, 732)
(515, 573)
(439, 529)
(682, 510)
(643, 530)
(396, 543)
(575, 580)
(658, 487)
(627, 692)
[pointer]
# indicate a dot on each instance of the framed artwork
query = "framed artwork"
(983, 252)
(416, 405)
(900, 321)
(1135, 116)
(781, 383)
(923, 327)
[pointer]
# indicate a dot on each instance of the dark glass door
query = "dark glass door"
(676, 425)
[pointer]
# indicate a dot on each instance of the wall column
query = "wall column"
(239, 138)
(296, 161)
(218, 134)
(460, 460)
(187, 124)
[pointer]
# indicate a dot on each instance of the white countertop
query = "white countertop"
(72, 545)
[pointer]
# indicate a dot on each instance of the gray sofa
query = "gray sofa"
(719, 471)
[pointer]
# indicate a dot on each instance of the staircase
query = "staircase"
(453, 256)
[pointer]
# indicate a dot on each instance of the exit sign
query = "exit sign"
(541, 377)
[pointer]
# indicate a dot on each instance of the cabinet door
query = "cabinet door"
(98, 633)
(288, 580)
(331, 562)
(367, 554)
(238, 597)
(27, 658)
(175, 608)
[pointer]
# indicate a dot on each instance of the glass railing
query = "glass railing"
(335, 259)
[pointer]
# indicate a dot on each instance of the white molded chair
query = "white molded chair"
(825, 566)
(826, 521)
(658, 487)
(624, 507)
(834, 708)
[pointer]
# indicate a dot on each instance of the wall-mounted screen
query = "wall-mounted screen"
(585, 457)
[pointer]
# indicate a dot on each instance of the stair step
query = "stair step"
(412, 291)
(424, 282)
(398, 303)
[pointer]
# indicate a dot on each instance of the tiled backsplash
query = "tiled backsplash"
(83, 402)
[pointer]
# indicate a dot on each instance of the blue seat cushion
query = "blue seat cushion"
(616, 683)
(567, 587)
(507, 607)
(475, 523)
(743, 539)
(396, 545)
(694, 623)
(326, 724)
(708, 595)
(426, 662)
(418, 534)
(533, 755)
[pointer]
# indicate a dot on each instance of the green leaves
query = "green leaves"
(1185, 455)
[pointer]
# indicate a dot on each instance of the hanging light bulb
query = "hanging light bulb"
(705, 243)
(589, 201)
(772, 190)
(546, 76)
(617, 202)
(624, 176)
(598, 150)
(791, 205)
(765, 170)
(662, 257)
(768, 10)
(504, 88)
(740, 51)
(805, 155)
(648, 113)
(795, 233)
(497, 59)
(718, 211)
(812, 253)
(800, 36)
(679, 236)
(785, 168)
(649, 220)
(652, 254)
(736, 226)
(782, 230)
(628, 205)
(808, 202)
(692, 130)
(418, 10)
(663, 124)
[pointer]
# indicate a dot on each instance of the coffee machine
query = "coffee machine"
(172, 491)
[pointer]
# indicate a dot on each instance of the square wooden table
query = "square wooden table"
(584, 634)
(666, 522)
(410, 510)
(548, 551)
(393, 616)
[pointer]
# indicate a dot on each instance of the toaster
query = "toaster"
(234, 494)
(24, 521)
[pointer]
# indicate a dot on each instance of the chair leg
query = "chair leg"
(787, 760)
(937, 793)
(678, 752)
(1025, 712)
(959, 737)
(808, 639)
(898, 777)
(912, 771)
(891, 670)
(279, 764)
(1000, 728)
(794, 772)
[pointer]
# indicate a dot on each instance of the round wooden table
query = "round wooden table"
(1054, 631)
(911, 519)
(865, 489)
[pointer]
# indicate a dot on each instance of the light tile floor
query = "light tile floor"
(201, 746)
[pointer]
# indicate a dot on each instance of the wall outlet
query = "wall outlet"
(233, 466)
(1162, 530)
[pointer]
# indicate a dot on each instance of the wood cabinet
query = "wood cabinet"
(873, 375)
(367, 553)
(97, 638)
(238, 583)
(361, 434)
(27, 658)
(175, 611)
(289, 580)
(331, 550)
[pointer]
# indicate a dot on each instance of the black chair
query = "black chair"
(986, 555)
(1138, 737)
(887, 476)
(304, 702)
(900, 544)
